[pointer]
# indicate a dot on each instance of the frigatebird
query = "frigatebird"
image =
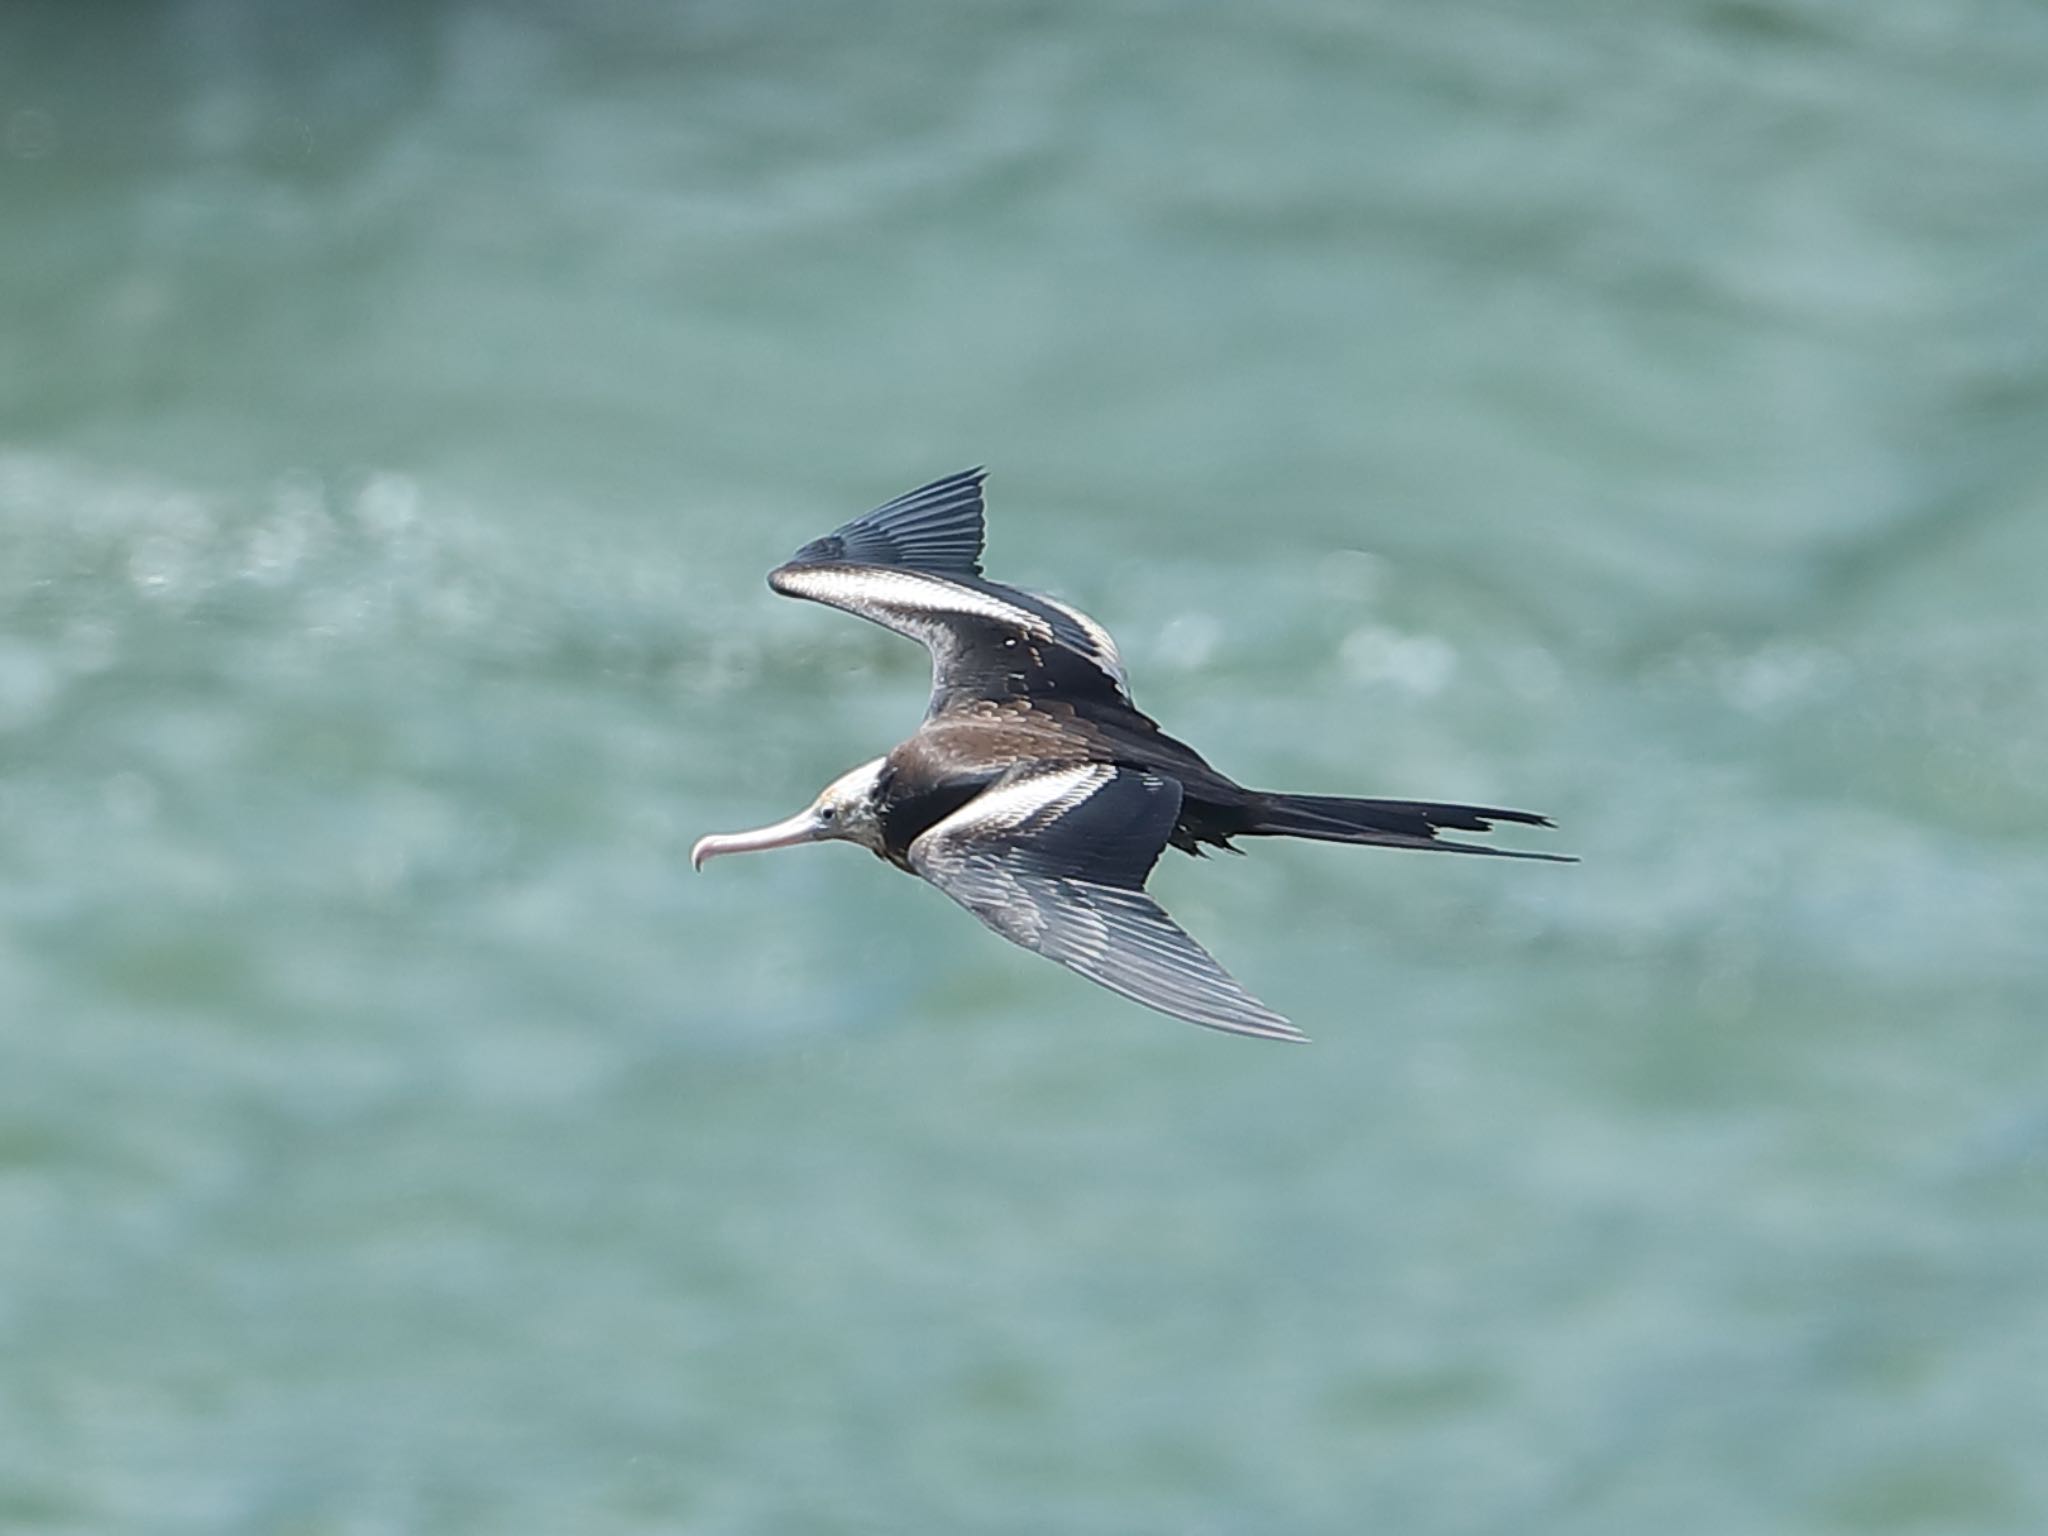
(1036, 793)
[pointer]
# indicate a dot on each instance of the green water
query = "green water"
(1631, 412)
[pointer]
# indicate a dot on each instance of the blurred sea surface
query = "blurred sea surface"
(1631, 413)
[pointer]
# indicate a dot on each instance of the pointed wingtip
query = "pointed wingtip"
(1262, 1025)
(937, 528)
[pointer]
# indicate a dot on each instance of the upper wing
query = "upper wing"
(1055, 858)
(914, 565)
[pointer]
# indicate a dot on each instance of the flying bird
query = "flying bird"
(1036, 794)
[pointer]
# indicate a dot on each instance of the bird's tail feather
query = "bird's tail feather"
(1388, 823)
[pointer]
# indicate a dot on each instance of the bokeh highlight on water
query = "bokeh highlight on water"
(1630, 413)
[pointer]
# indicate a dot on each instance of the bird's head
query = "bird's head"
(844, 811)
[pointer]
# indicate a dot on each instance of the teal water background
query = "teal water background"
(1631, 412)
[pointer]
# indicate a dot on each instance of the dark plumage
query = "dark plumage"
(1036, 793)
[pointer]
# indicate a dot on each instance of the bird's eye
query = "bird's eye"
(826, 813)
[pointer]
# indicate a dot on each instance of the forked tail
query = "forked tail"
(1387, 823)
